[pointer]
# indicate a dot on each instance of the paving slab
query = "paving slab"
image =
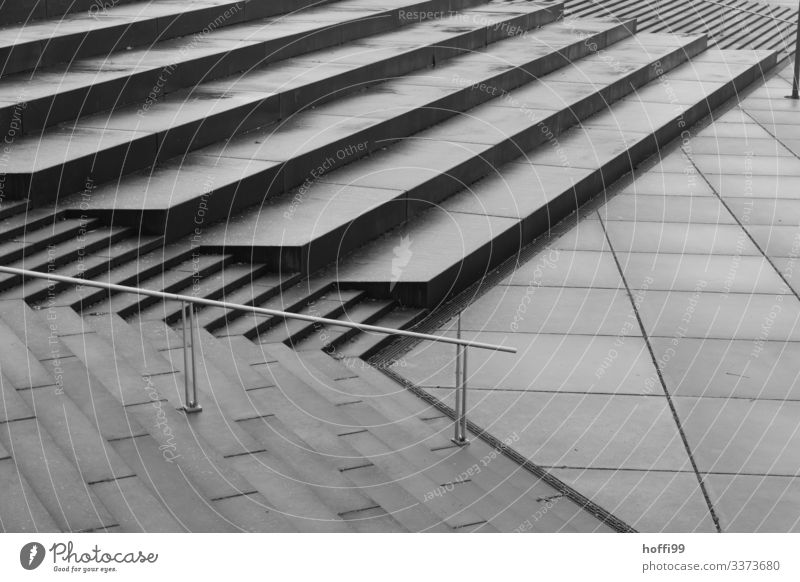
(741, 436)
(568, 269)
(720, 273)
(755, 503)
(550, 310)
(669, 183)
(667, 208)
(579, 430)
(680, 238)
(595, 364)
(718, 315)
(729, 368)
(650, 501)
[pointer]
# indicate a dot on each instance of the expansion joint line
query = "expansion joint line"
(668, 396)
(743, 226)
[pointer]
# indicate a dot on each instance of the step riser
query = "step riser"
(27, 55)
(307, 330)
(50, 110)
(219, 294)
(372, 224)
(143, 152)
(365, 351)
(351, 333)
(171, 288)
(31, 224)
(507, 244)
(255, 188)
(221, 317)
(7, 282)
(298, 304)
(41, 295)
(273, 322)
(145, 273)
(37, 246)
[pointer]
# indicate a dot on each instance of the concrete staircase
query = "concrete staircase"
(90, 440)
(306, 159)
(729, 24)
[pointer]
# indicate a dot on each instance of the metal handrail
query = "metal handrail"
(187, 313)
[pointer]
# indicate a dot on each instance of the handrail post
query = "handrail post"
(460, 421)
(796, 77)
(191, 404)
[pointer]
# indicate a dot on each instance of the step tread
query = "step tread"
(383, 178)
(456, 217)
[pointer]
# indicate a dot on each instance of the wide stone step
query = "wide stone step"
(53, 474)
(25, 11)
(146, 399)
(349, 206)
(313, 487)
(70, 421)
(21, 510)
(88, 28)
(524, 198)
(104, 147)
(741, 24)
(318, 423)
(84, 86)
(295, 152)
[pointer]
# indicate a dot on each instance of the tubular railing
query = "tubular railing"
(189, 304)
